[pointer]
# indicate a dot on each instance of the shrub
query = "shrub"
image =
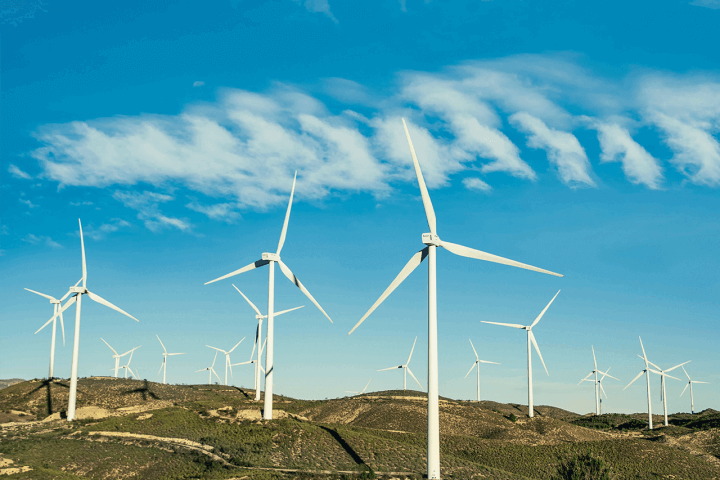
(512, 417)
(583, 467)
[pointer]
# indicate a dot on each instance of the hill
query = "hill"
(132, 428)
(6, 383)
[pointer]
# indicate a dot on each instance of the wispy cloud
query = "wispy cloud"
(27, 202)
(100, 232)
(17, 173)
(79, 204)
(618, 146)
(714, 4)
(147, 205)
(198, 83)
(40, 240)
(220, 211)
(317, 6)
(474, 183)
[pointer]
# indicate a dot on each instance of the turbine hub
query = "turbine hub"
(54, 301)
(78, 289)
(431, 239)
(273, 257)
(260, 317)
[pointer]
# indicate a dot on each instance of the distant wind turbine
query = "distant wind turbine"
(210, 370)
(163, 365)
(647, 378)
(271, 259)
(663, 374)
(362, 391)
(258, 338)
(77, 298)
(406, 369)
(117, 357)
(56, 306)
(689, 384)
(227, 356)
(598, 383)
(477, 364)
(432, 241)
(127, 366)
(530, 339)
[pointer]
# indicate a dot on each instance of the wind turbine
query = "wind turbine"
(647, 377)
(77, 298)
(476, 364)
(271, 259)
(362, 391)
(127, 366)
(227, 356)
(432, 241)
(530, 339)
(663, 374)
(56, 305)
(210, 370)
(406, 369)
(163, 365)
(598, 384)
(258, 337)
(117, 356)
(689, 384)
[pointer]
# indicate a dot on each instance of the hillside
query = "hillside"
(129, 428)
(7, 382)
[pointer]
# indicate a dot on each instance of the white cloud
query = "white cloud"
(16, 172)
(474, 183)
(714, 4)
(318, 6)
(40, 240)
(618, 146)
(104, 229)
(219, 211)
(146, 203)
(198, 83)
(78, 204)
(563, 149)
(27, 202)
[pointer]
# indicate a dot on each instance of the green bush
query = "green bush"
(583, 467)
(512, 417)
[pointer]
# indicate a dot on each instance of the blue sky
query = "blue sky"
(577, 138)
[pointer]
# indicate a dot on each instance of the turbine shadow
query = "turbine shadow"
(241, 391)
(350, 451)
(47, 385)
(144, 391)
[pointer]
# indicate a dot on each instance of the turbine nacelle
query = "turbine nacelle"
(80, 290)
(271, 257)
(431, 239)
(55, 301)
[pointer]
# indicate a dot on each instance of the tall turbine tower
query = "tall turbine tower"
(271, 259)
(530, 339)
(77, 298)
(406, 369)
(258, 338)
(258, 366)
(477, 364)
(163, 365)
(598, 384)
(663, 374)
(689, 384)
(56, 305)
(647, 378)
(432, 241)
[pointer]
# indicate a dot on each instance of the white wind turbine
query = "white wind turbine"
(647, 378)
(362, 391)
(117, 357)
(77, 298)
(689, 384)
(432, 241)
(227, 357)
(663, 374)
(56, 306)
(258, 338)
(271, 259)
(598, 383)
(127, 366)
(530, 339)
(163, 365)
(406, 369)
(477, 364)
(210, 370)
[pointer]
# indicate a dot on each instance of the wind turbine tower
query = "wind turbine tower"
(689, 384)
(432, 241)
(227, 357)
(646, 371)
(477, 364)
(163, 365)
(598, 383)
(406, 369)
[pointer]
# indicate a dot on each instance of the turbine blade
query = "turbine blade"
(594, 359)
(411, 351)
(41, 294)
(537, 349)
(69, 292)
(368, 384)
(418, 382)
(489, 257)
(487, 361)
(429, 212)
(651, 363)
(161, 343)
(215, 348)
(698, 381)
(64, 307)
(287, 217)
(62, 325)
(227, 360)
(588, 376)
(213, 364)
(244, 269)
(543, 313)
(201, 370)
(286, 311)
(254, 344)
(471, 369)
(84, 266)
(161, 366)
(633, 380)
(643, 350)
(603, 390)
(216, 375)
(111, 348)
(473, 347)
(514, 325)
(686, 386)
(407, 270)
(238, 343)
(248, 300)
(676, 366)
(686, 374)
(302, 288)
(102, 301)
(389, 368)
(170, 354)
(670, 376)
